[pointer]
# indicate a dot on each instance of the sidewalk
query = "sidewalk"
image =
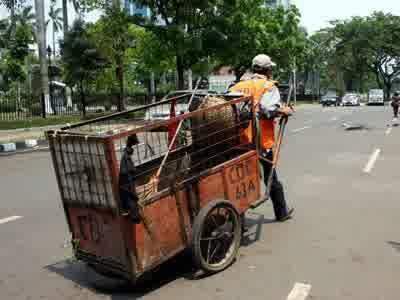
(22, 140)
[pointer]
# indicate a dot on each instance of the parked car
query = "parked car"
(351, 99)
(376, 97)
(330, 99)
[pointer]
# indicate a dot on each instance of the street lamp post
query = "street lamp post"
(49, 52)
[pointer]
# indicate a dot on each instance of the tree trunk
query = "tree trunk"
(12, 18)
(120, 78)
(83, 99)
(41, 41)
(180, 69)
(152, 86)
(190, 79)
(388, 89)
(65, 16)
(116, 4)
(378, 80)
(54, 45)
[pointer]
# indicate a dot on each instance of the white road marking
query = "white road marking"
(388, 131)
(372, 160)
(301, 129)
(300, 291)
(334, 119)
(9, 219)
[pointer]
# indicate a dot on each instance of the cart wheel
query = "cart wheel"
(217, 232)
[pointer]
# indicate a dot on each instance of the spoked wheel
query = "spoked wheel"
(217, 232)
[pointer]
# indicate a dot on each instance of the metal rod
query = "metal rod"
(171, 145)
(111, 116)
(158, 124)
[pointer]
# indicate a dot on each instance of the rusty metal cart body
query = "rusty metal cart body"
(195, 177)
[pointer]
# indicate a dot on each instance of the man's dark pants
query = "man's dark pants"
(277, 194)
(395, 109)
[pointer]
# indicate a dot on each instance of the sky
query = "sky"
(316, 14)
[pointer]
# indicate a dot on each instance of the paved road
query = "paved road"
(344, 241)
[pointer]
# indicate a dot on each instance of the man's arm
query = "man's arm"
(271, 105)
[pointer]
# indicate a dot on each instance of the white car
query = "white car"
(376, 97)
(351, 99)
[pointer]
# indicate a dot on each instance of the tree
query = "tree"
(319, 64)
(369, 44)
(65, 17)
(14, 42)
(12, 6)
(56, 22)
(185, 29)
(41, 41)
(250, 31)
(81, 59)
(5, 32)
(148, 55)
(26, 17)
(113, 36)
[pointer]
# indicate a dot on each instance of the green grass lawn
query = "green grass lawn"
(56, 120)
(39, 122)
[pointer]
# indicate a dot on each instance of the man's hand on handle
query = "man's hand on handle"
(286, 111)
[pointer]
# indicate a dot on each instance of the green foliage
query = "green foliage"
(198, 34)
(81, 59)
(12, 5)
(55, 18)
(250, 31)
(368, 44)
(188, 31)
(130, 48)
(112, 32)
(16, 35)
(16, 48)
(19, 44)
(26, 17)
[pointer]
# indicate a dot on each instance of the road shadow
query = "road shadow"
(179, 267)
(84, 278)
(254, 223)
(395, 245)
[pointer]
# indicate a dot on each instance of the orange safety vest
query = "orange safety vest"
(257, 88)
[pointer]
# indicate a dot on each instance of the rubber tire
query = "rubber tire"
(198, 229)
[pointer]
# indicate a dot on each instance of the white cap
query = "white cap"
(263, 61)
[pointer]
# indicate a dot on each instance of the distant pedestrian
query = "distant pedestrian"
(395, 104)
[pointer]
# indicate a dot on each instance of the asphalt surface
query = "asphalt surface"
(343, 242)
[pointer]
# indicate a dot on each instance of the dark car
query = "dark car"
(330, 99)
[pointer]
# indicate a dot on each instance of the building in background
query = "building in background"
(276, 3)
(136, 9)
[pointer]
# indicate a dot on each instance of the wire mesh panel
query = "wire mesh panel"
(82, 168)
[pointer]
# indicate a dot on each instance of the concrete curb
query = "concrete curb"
(24, 146)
